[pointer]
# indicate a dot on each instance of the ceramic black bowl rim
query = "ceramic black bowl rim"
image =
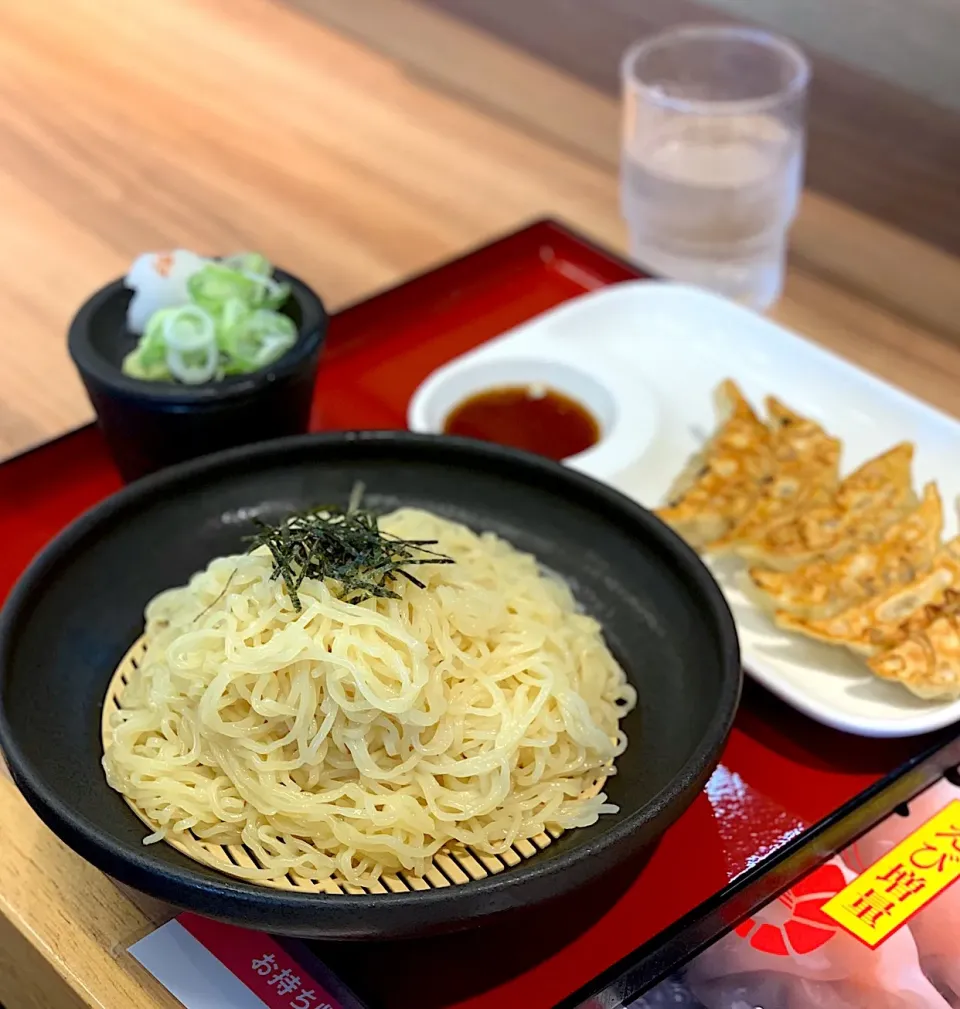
(312, 330)
(531, 881)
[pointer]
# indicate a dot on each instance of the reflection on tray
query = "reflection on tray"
(791, 955)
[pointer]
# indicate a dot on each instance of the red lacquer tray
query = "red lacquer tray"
(780, 773)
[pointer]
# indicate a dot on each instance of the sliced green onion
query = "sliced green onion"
(230, 326)
(188, 328)
(275, 294)
(231, 315)
(258, 339)
(153, 344)
(192, 353)
(211, 286)
(136, 367)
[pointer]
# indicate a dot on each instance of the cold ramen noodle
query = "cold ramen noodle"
(343, 714)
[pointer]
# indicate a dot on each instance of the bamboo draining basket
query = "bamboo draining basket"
(452, 867)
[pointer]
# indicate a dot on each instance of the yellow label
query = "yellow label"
(905, 880)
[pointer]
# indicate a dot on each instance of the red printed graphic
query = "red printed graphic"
(800, 926)
(261, 963)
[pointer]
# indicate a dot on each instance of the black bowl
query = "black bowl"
(149, 425)
(79, 606)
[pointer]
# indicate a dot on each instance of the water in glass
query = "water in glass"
(708, 200)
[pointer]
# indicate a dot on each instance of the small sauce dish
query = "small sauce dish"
(624, 415)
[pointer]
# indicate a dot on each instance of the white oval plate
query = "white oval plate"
(668, 346)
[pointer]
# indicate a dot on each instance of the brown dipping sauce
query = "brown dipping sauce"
(531, 417)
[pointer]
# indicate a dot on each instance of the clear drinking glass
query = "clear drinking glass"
(712, 158)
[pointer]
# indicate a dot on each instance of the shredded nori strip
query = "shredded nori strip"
(346, 547)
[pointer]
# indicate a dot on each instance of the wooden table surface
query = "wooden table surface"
(354, 144)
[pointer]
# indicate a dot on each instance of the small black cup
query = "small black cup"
(149, 425)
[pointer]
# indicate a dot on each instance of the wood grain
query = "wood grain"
(122, 131)
(346, 167)
(831, 240)
(873, 145)
(64, 926)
